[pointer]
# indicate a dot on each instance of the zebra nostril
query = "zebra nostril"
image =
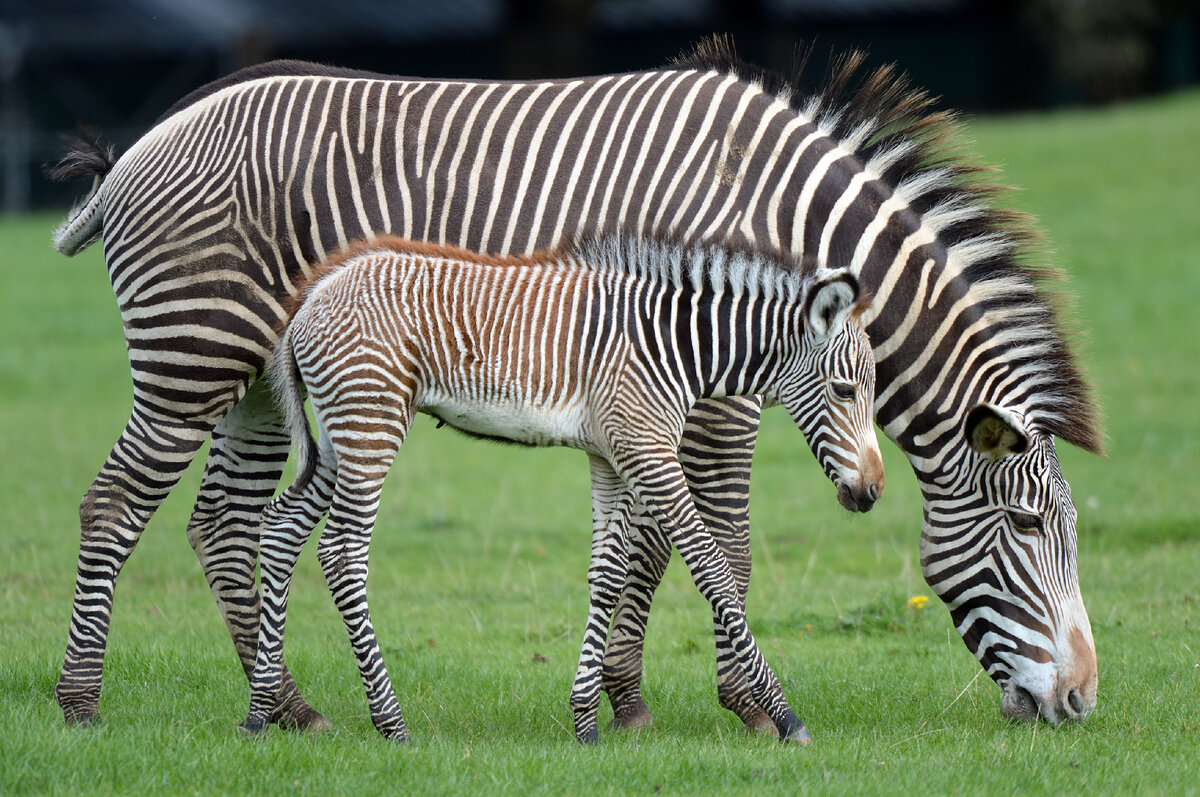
(873, 492)
(1075, 701)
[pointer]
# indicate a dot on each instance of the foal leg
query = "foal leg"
(287, 523)
(611, 501)
(364, 456)
(246, 457)
(142, 468)
(716, 453)
(657, 478)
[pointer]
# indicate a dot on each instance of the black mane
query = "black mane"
(281, 68)
(891, 126)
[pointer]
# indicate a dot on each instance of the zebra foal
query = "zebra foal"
(604, 348)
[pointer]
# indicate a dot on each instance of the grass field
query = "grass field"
(478, 581)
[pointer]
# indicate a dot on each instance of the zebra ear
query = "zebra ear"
(830, 299)
(995, 432)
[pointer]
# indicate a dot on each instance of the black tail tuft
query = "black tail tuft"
(86, 157)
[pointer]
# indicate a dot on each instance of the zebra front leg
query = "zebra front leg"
(716, 452)
(611, 501)
(246, 457)
(287, 523)
(142, 468)
(657, 479)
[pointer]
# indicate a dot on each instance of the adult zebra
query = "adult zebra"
(210, 218)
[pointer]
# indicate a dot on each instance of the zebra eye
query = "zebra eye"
(845, 391)
(1026, 522)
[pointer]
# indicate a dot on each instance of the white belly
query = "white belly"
(559, 424)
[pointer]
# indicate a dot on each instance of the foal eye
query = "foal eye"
(1026, 522)
(844, 391)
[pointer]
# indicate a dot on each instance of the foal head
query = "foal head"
(828, 386)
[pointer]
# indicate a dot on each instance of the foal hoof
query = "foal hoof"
(798, 736)
(792, 730)
(80, 706)
(80, 717)
(254, 725)
(589, 737)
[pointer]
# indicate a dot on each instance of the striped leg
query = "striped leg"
(649, 552)
(716, 453)
(657, 478)
(343, 556)
(287, 523)
(142, 468)
(248, 451)
(611, 502)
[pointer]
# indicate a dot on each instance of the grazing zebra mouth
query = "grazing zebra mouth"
(1019, 705)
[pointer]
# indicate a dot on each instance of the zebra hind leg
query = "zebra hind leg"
(649, 552)
(364, 454)
(142, 468)
(246, 457)
(342, 553)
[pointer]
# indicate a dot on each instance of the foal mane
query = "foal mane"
(894, 131)
(398, 245)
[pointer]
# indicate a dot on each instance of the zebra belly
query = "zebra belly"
(516, 422)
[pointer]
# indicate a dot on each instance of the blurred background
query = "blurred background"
(115, 65)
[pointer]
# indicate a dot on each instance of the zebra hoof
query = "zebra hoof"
(798, 736)
(392, 727)
(79, 706)
(631, 716)
(301, 718)
(256, 724)
(792, 730)
(590, 737)
(81, 717)
(760, 725)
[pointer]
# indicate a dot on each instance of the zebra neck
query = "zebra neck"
(941, 347)
(731, 344)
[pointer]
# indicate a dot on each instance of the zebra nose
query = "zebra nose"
(858, 498)
(1075, 702)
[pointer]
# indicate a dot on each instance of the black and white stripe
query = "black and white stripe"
(605, 350)
(215, 214)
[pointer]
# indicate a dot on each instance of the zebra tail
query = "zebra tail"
(284, 376)
(85, 223)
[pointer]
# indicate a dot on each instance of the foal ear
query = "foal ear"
(830, 299)
(995, 432)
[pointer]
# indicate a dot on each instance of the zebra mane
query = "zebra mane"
(659, 260)
(697, 265)
(394, 243)
(893, 129)
(279, 68)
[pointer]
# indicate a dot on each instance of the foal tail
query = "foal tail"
(84, 224)
(284, 376)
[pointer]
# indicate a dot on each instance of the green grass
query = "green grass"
(478, 583)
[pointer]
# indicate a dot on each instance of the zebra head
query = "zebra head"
(829, 389)
(1004, 563)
